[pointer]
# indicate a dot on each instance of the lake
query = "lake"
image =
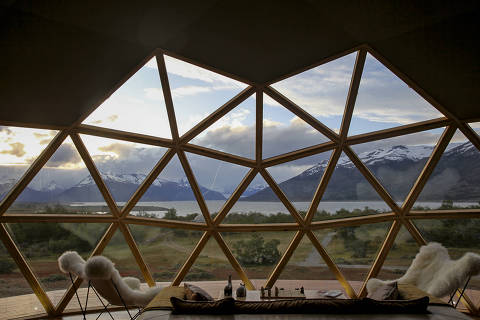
(186, 207)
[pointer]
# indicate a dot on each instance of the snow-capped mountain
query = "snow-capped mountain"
(252, 190)
(456, 176)
(121, 186)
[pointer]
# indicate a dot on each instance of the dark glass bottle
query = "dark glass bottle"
(227, 291)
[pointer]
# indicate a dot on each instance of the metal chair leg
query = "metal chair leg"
(78, 298)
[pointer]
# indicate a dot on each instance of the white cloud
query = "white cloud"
(154, 93)
(190, 71)
(189, 90)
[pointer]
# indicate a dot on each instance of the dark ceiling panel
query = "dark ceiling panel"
(60, 59)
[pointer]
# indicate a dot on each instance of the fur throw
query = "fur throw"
(103, 275)
(434, 272)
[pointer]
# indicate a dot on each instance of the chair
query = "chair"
(434, 272)
(106, 282)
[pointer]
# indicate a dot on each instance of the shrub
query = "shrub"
(6, 265)
(256, 251)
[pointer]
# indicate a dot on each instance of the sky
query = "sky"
(383, 101)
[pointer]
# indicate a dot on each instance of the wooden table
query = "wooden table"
(254, 295)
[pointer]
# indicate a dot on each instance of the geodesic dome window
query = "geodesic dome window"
(336, 173)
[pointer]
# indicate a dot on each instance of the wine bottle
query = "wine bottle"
(227, 291)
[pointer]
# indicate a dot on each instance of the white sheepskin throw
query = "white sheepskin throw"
(107, 280)
(434, 272)
(70, 261)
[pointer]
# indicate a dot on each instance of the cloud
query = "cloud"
(121, 150)
(277, 138)
(189, 90)
(6, 130)
(190, 71)
(40, 135)
(66, 156)
(154, 93)
(18, 150)
(382, 96)
(44, 141)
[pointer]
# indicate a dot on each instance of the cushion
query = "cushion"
(299, 306)
(195, 293)
(162, 299)
(387, 291)
(223, 306)
(409, 292)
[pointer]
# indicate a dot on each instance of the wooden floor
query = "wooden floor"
(28, 307)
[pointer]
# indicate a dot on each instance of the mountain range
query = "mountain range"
(121, 186)
(456, 176)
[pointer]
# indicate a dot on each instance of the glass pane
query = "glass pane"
(306, 269)
(42, 243)
(164, 250)
(299, 179)
(234, 133)
(122, 165)
(170, 196)
(353, 249)
(284, 132)
(348, 193)
(401, 255)
(217, 179)
(120, 254)
(63, 185)
(321, 91)
(16, 296)
(384, 101)
(456, 178)
(19, 147)
(197, 92)
(211, 264)
(258, 204)
(137, 106)
(397, 162)
(258, 252)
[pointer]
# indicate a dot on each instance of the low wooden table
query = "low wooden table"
(254, 295)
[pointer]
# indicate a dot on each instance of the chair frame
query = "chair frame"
(105, 306)
(461, 293)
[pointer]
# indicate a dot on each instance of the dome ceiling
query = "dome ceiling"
(61, 59)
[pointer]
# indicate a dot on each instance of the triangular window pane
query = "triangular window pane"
(299, 179)
(258, 253)
(321, 91)
(137, 106)
(284, 132)
(400, 256)
(19, 147)
(211, 264)
(42, 243)
(384, 101)
(217, 179)
(170, 196)
(197, 92)
(397, 162)
(63, 185)
(164, 250)
(16, 294)
(258, 204)
(456, 176)
(234, 133)
(353, 249)
(120, 254)
(123, 165)
(304, 269)
(348, 193)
